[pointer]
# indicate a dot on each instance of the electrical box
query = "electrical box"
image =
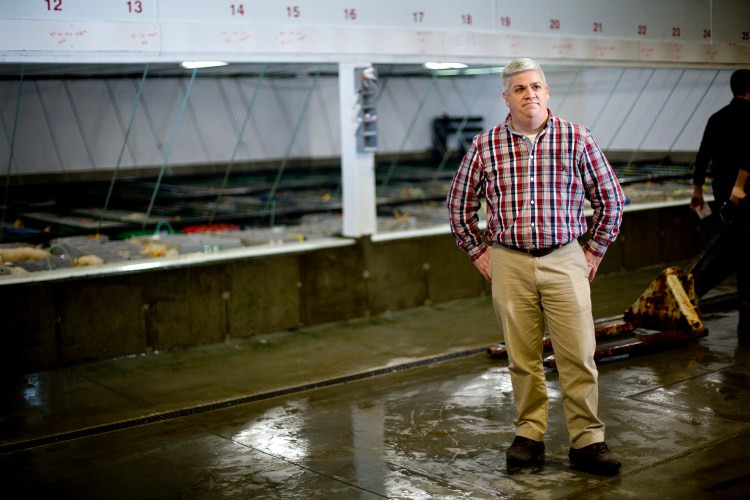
(366, 82)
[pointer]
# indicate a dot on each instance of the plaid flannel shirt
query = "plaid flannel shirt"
(535, 191)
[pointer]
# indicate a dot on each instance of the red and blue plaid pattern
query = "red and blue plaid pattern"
(535, 192)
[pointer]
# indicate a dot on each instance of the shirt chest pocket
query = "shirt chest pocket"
(559, 172)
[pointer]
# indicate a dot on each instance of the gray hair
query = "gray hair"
(519, 66)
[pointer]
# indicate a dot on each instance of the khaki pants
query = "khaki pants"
(527, 290)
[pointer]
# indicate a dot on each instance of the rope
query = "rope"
(695, 109)
(12, 150)
(409, 131)
(79, 124)
(178, 120)
(653, 122)
(461, 126)
(570, 87)
(609, 98)
(272, 193)
(238, 143)
(124, 144)
(630, 111)
(48, 121)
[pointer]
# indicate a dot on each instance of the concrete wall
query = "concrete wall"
(52, 324)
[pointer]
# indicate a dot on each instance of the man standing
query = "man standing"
(725, 148)
(534, 170)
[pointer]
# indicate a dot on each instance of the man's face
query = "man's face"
(527, 95)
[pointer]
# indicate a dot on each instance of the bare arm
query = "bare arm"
(697, 200)
(738, 191)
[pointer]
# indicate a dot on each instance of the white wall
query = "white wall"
(79, 125)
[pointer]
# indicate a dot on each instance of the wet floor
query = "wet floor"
(406, 405)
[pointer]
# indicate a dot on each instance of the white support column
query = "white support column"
(357, 168)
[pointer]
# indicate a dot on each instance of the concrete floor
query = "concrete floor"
(405, 405)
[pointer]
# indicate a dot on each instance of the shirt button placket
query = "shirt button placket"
(532, 168)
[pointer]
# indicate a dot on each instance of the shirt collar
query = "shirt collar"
(506, 123)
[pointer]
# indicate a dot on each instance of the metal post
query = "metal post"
(357, 167)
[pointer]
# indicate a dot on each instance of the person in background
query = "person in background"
(534, 171)
(726, 149)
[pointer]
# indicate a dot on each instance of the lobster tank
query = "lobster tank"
(169, 208)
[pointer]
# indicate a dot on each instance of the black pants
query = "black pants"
(728, 253)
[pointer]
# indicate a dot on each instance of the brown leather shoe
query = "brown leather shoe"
(595, 458)
(523, 451)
